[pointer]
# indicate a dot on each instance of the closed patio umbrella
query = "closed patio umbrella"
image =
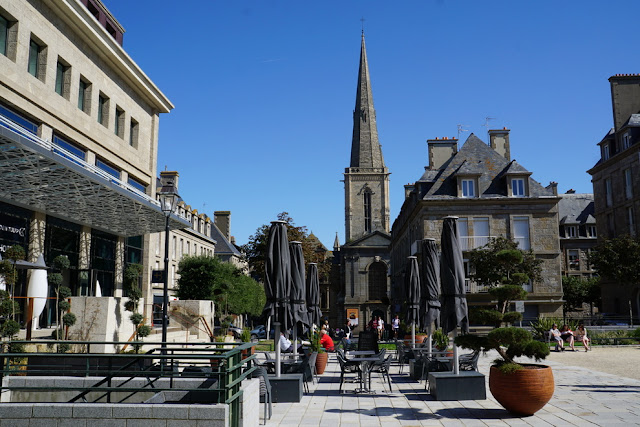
(430, 287)
(278, 282)
(298, 291)
(454, 302)
(313, 295)
(412, 283)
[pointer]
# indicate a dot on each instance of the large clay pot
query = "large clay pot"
(321, 362)
(419, 339)
(525, 391)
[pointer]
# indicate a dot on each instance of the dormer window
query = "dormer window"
(605, 152)
(570, 231)
(468, 187)
(626, 140)
(518, 187)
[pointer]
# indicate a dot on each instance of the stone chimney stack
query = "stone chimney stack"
(553, 186)
(166, 177)
(222, 220)
(408, 189)
(499, 141)
(441, 150)
(625, 97)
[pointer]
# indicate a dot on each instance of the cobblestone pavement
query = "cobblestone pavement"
(583, 396)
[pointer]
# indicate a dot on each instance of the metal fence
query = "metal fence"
(221, 366)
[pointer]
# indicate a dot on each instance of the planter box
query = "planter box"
(81, 366)
(467, 385)
(287, 388)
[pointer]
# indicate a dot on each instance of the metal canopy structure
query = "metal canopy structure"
(42, 176)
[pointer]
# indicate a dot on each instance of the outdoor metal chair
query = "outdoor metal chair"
(383, 369)
(469, 361)
(405, 353)
(431, 364)
(346, 368)
(265, 389)
(312, 365)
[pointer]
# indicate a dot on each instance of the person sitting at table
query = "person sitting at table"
(326, 341)
(285, 344)
(567, 335)
(555, 335)
(581, 336)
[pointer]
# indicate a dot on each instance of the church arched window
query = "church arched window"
(377, 281)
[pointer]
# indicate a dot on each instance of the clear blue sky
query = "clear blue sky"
(264, 92)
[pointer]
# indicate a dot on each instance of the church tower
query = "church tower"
(366, 180)
(364, 257)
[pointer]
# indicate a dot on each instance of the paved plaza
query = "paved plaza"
(585, 395)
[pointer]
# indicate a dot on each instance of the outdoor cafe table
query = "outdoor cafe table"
(365, 358)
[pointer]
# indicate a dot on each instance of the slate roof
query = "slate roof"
(476, 157)
(576, 209)
(634, 121)
(223, 246)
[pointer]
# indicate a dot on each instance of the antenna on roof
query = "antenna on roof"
(486, 123)
(461, 128)
(362, 20)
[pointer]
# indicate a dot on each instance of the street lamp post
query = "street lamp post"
(168, 195)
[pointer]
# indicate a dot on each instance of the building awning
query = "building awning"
(41, 176)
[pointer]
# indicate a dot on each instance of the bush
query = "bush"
(486, 317)
(512, 317)
(69, 319)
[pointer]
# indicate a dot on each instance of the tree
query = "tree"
(504, 268)
(256, 249)
(578, 291)
(8, 270)
(619, 260)
(208, 278)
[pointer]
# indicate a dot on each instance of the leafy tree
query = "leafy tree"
(208, 278)
(578, 291)
(8, 270)
(619, 260)
(61, 262)
(504, 268)
(256, 249)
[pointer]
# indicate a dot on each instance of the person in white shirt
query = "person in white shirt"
(285, 344)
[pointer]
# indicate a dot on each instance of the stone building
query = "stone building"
(364, 257)
(616, 182)
(78, 143)
(578, 234)
(493, 195)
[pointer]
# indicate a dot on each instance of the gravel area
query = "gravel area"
(623, 360)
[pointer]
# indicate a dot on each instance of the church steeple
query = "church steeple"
(366, 180)
(365, 147)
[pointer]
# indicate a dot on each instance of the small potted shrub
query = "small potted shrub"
(440, 340)
(521, 388)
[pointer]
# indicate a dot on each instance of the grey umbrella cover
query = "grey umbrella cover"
(430, 294)
(412, 280)
(298, 286)
(278, 275)
(454, 302)
(313, 295)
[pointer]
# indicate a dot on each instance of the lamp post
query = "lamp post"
(168, 195)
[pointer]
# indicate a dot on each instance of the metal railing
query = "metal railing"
(221, 366)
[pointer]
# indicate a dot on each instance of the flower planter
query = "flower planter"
(321, 362)
(525, 391)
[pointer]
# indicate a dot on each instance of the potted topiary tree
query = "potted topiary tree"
(323, 356)
(521, 388)
(440, 340)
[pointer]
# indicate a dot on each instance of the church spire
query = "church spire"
(365, 147)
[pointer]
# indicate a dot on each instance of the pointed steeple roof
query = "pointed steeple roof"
(365, 147)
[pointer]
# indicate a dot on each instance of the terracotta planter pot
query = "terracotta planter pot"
(419, 339)
(321, 362)
(525, 391)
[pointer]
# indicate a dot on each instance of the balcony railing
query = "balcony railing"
(469, 243)
(474, 288)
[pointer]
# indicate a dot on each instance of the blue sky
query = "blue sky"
(264, 92)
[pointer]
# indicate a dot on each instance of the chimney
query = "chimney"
(499, 141)
(408, 189)
(553, 186)
(441, 150)
(571, 191)
(625, 97)
(222, 220)
(167, 177)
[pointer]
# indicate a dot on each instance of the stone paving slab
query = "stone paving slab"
(583, 397)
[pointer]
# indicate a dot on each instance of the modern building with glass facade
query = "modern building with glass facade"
(78, 144)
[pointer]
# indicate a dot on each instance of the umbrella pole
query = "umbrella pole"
(413, 334)
(456, 367)
(276, 340)
(295, 342)
(429, 341)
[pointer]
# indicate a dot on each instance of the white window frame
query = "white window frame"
(518, 187)
(573, 264)
(605, 151)
(592, 231)
(570, 231)
(524, 242)
(468, 188)
(628, 186)
(626, 140)
(608, 191)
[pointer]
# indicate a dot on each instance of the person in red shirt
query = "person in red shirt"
(326, 341)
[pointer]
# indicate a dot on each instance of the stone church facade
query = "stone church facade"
(364, 259)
